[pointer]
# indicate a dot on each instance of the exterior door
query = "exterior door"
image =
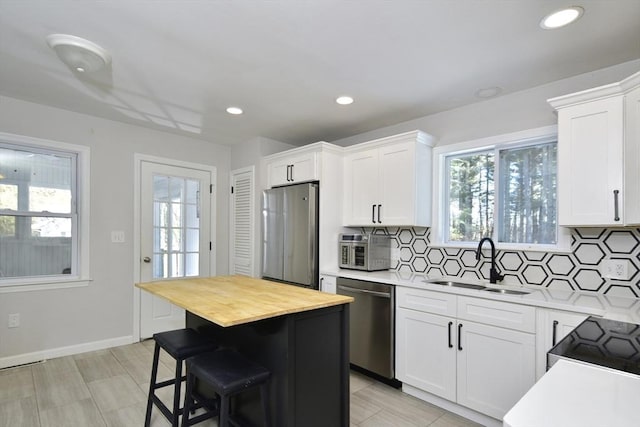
(175, 224)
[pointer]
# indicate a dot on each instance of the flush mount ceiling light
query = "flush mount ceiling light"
(79, 54)
(561, 17)
(344, 100)
(234, 110)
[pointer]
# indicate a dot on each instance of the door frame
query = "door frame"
(138, 159)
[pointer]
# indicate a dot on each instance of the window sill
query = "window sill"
(504, 247)
(27, 285)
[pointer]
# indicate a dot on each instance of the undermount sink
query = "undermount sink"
(507, 291)
(455, 284)
(478, 287)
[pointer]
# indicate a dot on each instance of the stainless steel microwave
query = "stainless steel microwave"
(368, 252)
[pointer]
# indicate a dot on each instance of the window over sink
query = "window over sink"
(504, 188)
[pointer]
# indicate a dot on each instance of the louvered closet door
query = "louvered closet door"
(241, 233)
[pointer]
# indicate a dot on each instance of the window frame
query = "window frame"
(495, 143)
(80, 276)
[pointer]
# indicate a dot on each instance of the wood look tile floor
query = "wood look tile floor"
(109, 388)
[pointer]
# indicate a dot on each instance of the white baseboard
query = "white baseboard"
(451, 406)
(37, 356)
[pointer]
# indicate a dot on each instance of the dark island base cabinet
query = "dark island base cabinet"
(308, 356)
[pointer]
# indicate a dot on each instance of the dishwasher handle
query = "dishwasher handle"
(365, 291)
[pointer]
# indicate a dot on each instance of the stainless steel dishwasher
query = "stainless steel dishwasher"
(371, 325)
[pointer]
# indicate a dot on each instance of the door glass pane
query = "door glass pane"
(193, 187)
(193, 240)
(192, 216)
(160, 188)
(192, 262)
(175, 209)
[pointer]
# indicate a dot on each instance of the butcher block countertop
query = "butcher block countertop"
(234, 300)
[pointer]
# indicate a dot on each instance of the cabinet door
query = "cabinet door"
(590, 163)
(496, 367)
(290, 170)
(303, 168)
(278, 172)
(396, 166)
(552, 327)
(632, 156)
(328, 284)
(361, 188)
(425, 352)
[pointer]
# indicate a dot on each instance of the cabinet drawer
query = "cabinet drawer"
(426, 301)
(497, 313)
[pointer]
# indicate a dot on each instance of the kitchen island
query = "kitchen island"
(300, 335)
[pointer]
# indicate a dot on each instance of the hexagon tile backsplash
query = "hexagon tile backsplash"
(577, 270)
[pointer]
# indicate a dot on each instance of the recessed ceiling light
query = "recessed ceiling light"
(344, 100)
(562, 17)
(488, 92)
(234, 110)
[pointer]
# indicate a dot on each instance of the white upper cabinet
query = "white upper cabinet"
(387, 182)
(291, 169)
(598, 155)
(320, 162)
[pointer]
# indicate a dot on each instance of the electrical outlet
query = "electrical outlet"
(117, 237)
(616, 269)
(14, 320)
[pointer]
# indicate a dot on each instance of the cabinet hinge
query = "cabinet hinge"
(210, 246)
(210, 188)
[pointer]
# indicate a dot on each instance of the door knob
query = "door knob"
(146, 259)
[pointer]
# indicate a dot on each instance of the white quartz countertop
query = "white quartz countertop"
(592, 303)
(573, 394)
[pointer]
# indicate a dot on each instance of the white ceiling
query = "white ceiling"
(177, 65)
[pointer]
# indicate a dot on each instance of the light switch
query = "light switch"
(117, 237)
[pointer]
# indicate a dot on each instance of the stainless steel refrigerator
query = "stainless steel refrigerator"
(290, 234)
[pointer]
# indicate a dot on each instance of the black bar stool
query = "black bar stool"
(228, 373)
(180, 344)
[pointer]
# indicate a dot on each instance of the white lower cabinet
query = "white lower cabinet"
(496, 367)
(476, 364)
(553, 325)
(424, 357)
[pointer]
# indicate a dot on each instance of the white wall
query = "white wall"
(527, 109)
(103, 311)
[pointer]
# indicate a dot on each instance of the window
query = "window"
(506, 191)
(39, 212)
